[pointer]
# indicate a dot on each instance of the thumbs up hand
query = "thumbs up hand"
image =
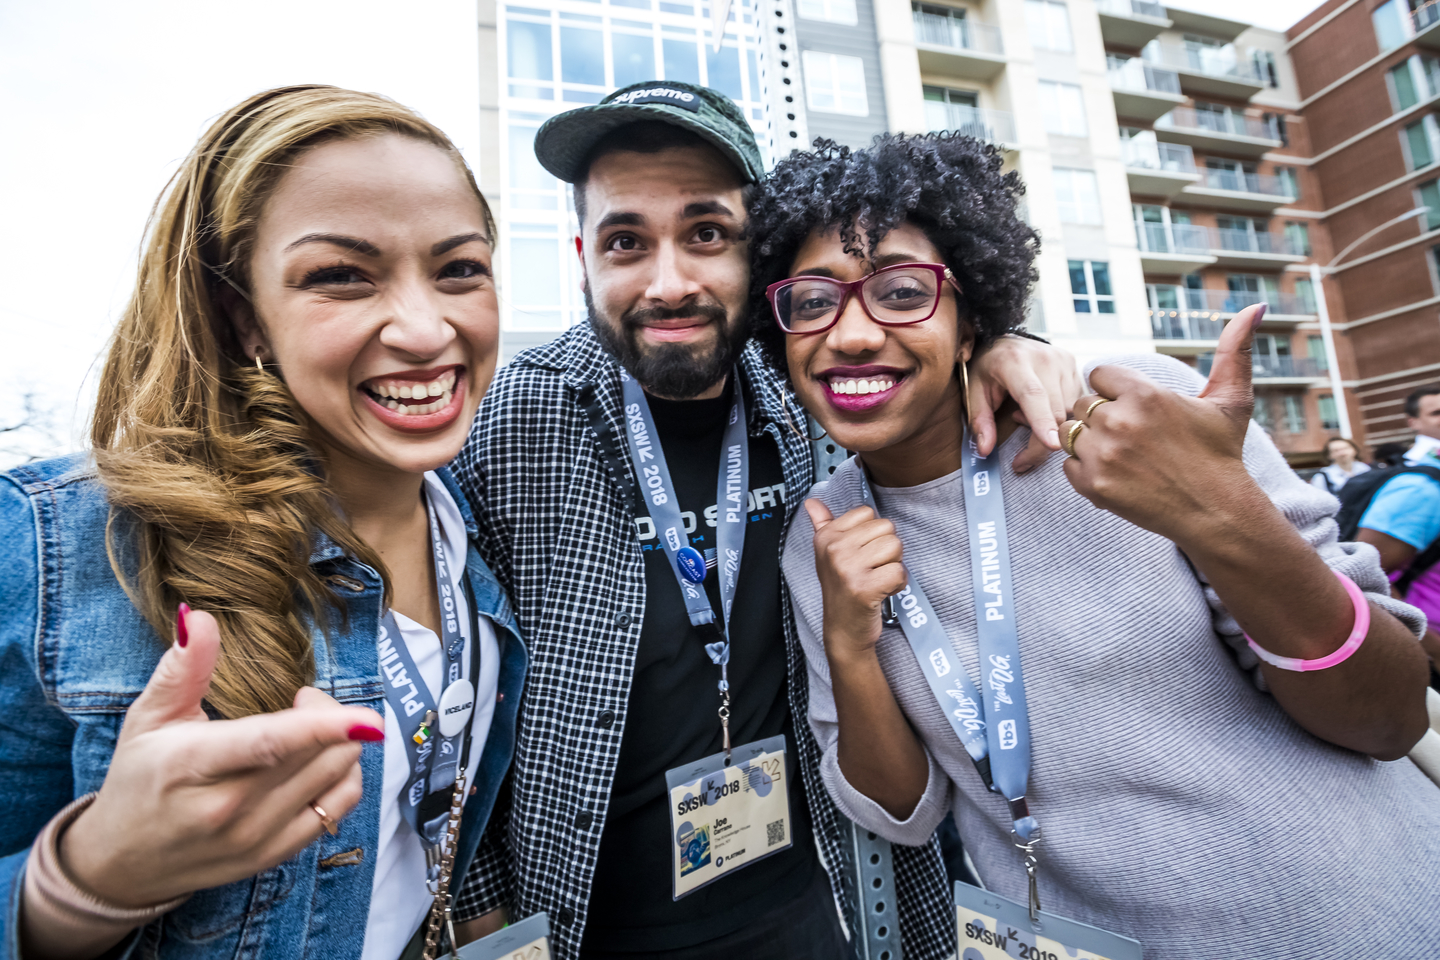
(190, 803)
(1163, 461)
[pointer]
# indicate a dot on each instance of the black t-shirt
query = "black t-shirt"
(671, 719)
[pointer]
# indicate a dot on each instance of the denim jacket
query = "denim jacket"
(74, 654)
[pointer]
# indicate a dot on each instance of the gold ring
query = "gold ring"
(1070, 436)
(1091, 409)
(328, 823)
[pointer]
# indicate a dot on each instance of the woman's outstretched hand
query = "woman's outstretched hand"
(1043, 380)
(189, 803)
(1166, 462)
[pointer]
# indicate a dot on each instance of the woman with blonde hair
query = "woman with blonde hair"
(262, 565)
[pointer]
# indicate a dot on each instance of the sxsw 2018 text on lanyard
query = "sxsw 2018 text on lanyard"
(433, 793)
(993, 723)
(717, 810)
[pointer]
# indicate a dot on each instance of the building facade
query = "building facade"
(1369, 80)
(1169, 158)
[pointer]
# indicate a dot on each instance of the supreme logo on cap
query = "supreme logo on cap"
(670, 95)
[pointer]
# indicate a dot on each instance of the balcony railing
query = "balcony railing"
(956, 33)
(1243, 241)
(1172, 237)
(1210, 61)
(1200, 313)
(1184, 325)
(1233, 124)
(1264, 366)
(1244, 182)
(995, 126)
(1126, 8)
(1425, 14)
(1149, 155)
(1136, 74)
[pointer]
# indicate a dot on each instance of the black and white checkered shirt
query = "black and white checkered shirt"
(557, 528)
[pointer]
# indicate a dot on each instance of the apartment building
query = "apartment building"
(1163, 151)
(1368, 76)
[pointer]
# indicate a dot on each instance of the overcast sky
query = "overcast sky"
(101, 100)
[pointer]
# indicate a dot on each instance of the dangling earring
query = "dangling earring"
(258, 365)
(965, 390)
(793, 429)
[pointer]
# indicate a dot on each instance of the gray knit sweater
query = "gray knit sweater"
(1180, 805)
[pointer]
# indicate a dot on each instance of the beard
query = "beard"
(674, 371)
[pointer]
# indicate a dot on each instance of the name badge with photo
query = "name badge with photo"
(993, 927)
(724, 818)
(528, 939)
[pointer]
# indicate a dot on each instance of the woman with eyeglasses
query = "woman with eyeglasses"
(1146, 670)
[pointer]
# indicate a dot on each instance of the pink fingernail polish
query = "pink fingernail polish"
(1259, 315)
(182, 635)
(366, 733)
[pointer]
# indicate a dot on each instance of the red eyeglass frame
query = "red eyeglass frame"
(849, 288)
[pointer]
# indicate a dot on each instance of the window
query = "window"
(1305, 296)
(1077, 195)
(1294, 413)
(1329, 418)
(1264, 63)
(947, 109)
(1297, 238)
(1090, 283)
(835, 83)
(1434, 262)
(1315, 350)
(941, 26)
(1063, 109)
(1289, 182)
(1392, 24)
(1429, 196)
(1421, 142)
(1262, 413)
(1415, 80)
(1275, 125)
(832, 11)
(1049, 25)
(1247, 290)
(1402, 87)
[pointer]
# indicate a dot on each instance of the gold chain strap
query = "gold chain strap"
(440, 909)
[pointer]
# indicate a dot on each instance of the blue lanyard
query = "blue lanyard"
(999, 709)
(434, 758)
(686, 563)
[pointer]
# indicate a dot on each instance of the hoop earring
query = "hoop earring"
(785, 407)
(965, 390)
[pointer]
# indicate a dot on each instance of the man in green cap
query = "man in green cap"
(636, 476)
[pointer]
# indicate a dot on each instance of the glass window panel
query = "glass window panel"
(634, 58)
(835, 84)
(1329, 418)
(1101, 272)
(1305, 294)
(1077, 196)
(1049, 24)
(535, 282)
(1106, 306)
(1062, 108)
(582, 56)
(1419, 146)
(1315, 350)
(684, 9)
(724, 70)
(833, 11)
(1082, 306)
(681, 61)
(1391, 23)
(1404, 86)
(528, 49)
(754, 72)
(528, 92)
(1430, 197)
(1167, 298)
(1078, 283)
(582, 96)
(525, 171)
(638, 4)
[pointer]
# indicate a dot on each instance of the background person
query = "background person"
(313, 326)
(1141, 785)
(1422, 412)
(622, 689)
(1345, 462)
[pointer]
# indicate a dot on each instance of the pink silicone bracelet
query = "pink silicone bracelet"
(1351, 644)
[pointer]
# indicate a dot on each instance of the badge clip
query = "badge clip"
(427, 728)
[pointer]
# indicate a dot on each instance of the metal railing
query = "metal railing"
(1265, 366)
(1202, 313)
(957, 33)
(1237, 182)
(1136, 74)
(1149, 155)
(1210, 61)
(1172, 237)
(995, 126)
(1425, 15)
(1243, 241)
(1126, 8)
(1233, 124)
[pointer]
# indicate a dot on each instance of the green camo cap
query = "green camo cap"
(564, 142)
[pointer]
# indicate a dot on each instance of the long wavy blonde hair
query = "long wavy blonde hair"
(217, 491)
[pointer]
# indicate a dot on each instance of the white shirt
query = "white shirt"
(399, 900)
(1337, 476)
(1424, 447)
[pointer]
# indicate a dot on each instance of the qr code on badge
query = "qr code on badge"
(774, 833)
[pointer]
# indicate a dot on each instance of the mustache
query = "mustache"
(712, 312)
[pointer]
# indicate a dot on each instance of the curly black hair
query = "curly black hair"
(951, 186)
